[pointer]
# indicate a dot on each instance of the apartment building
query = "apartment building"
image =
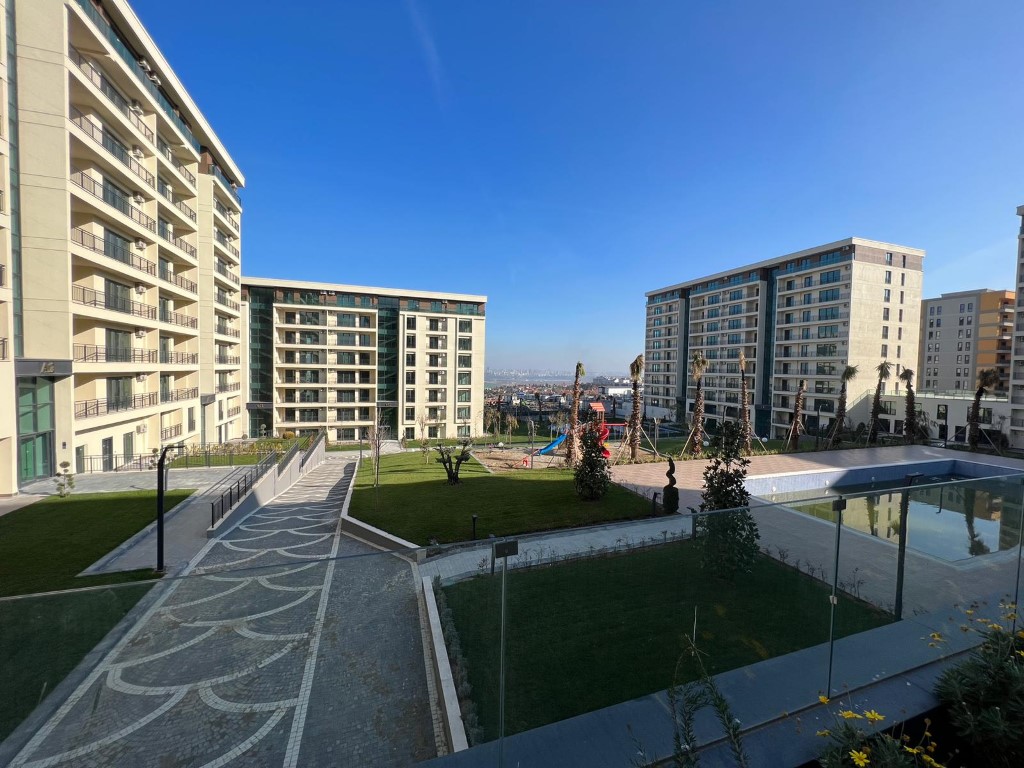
(121, 246)
(1017, 355)
(337, 357)
(963, 333)
(800, 317)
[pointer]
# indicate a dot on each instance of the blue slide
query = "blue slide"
(551, 446)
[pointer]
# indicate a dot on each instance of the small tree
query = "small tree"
(421, 422)
(511, 424)
(727, 540)
(698, 364)
(848, 375)
(378, 434)
(910, 417)
(591, 475)
(65, 480)
(989, 377)
(492, 420)
(746, 430)
(452, 461)
(797, 427)
(884, 370)
(636, 374)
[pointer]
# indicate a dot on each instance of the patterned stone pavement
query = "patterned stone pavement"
(312, 655)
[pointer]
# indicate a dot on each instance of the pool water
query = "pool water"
(948, 517)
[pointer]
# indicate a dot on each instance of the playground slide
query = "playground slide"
(602, 437)
(551, 446)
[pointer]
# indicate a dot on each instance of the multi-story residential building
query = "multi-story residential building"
(121, 245)
(800, 317)
(1017, 357)
(963, 333)
(337, 357)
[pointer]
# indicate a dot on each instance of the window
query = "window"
(462, 413)
(410, 414)
(464, 396)
(885, 314)
(465, 361)
(410, 377)
(432, 432)
(885, 331)
(462, 430)
(410, 323)
(888, 258)
(829, 294)
(886, 295)
(903, 278)
(410, 395)
(465, 378)
(410, 341)
(410, 433)
(465, 344)
(465, 326)
(931, 311)
(888, 277)
(410, 359)
(901, 316)
(885, 351)
(832, 276)
(828, 331)
(901, 297)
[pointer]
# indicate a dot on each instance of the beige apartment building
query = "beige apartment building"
(963, 333)
(800, 317)
(338, 357)
(1017, 357)
(121, 247)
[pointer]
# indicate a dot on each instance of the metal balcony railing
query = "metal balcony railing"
(219, 175)
(111, 198)
(179, 358)
(3, 347)
(224, 243)
(228, 215)
(167, 192)
(178, 280)
(226, 331)
(99, 78)
(85, 409)
(90, 353)
(165, 151)
(169, 433)
(234, 411)
(114, 149)
(221, 388)
(222, 270)
(170, 237)
(226, 302)
(176, 318)
(91, 298)
(112, 250)
(228, 360)
(174, 395)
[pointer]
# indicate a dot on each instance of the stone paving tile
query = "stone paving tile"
(270, 654)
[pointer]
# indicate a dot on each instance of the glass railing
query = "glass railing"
(474, 634)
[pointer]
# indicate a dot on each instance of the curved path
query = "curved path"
(311, 655)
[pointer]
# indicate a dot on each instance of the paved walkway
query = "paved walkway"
(109, 482)
(301, 659)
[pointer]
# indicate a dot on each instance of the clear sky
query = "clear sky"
(565, 157)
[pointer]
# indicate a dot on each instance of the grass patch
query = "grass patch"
(589, 634)
(43, 545)
(415, 502)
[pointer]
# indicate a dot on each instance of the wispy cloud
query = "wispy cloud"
(428, 47)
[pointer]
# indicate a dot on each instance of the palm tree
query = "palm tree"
(988, 377)
(572, 443)
(511, 424)
(540, 408)
(698, 364)
(492, 419)
(797, 426)
(910, 417)
(884, 370)
(636, 374)
(745, 428)
(849, 374)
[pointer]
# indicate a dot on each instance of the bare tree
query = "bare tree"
(421, 422)
(378, 434)
(452, 462)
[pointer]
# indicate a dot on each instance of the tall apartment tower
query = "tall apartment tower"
(963, 333)
(800, 317)
(121, 243)
(1017, 367)
(335, 357)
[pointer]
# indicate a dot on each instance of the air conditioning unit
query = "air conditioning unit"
(140, 333)
(140, 378)
(136, 107)
(141, 429)
(138, 198)
(145, 65)
(137, 151)
(140, 245)
(154, 79)
(140, 288)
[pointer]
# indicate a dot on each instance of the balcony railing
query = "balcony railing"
(228, 215)
(234, 410)
(98, 77)
(85, 409)
(169, 433)
(3, 347)
(227, 331)
(176, 318)
(90, 353)
(227, 360)
(178, 358)
(178, 280)
(113, 199)
(226, 302)
(217, 173)
(3, 275)
(223, 241)
(90, 298)
(179, 166)
(167, 192)
(115, 150)
(174, 395)
(222, 270)
(221, 388)
(113, 250)
(136, 69)
(170, 237)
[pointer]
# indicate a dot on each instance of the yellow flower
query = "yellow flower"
(969, 612)
(912, 750)
(824, 699)
(859, 758)
(873, 716)
(1020, 653)
(849, 714)
(824, 733)
(931, 747)
(936, 636)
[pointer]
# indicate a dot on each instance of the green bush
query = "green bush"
(591, 475)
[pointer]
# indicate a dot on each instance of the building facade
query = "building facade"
(121, 247)
(340, 357)
(1017, 356)
(963, 333)
(800, 317)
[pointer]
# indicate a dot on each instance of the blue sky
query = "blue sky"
(565, 157)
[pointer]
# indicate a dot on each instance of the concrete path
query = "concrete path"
(312, 656)
(108, 482)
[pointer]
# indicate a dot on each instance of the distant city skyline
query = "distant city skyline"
(633, 146)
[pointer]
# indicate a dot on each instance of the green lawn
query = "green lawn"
(415, 502)
(42, 547)
(593, 633)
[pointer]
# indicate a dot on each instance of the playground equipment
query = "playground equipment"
(550, 447)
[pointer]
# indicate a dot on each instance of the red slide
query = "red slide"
(602, 436)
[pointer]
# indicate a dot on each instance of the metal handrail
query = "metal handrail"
(178, 280)
(179, 358)
(112, 250)
(176, 318)
(321, 436)
(239, 489)
(116, 151)
(99, 78)
(97, 190)
(91, 353)
(297, 446)
(93, 298)
(103, 406)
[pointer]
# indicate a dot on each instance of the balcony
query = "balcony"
(98, 77)
(115, 150)
(227, 360)
(224, 243)
(90, 353)
(176, 164)
(85, 409)
(174, 395)
(228, 215)
(167, 193)
(178, 280)
(176, 318)
(170, 237)
(216, 172)
(169, 433)
(178, 358)
(114, 200)
(234, 411)
(113, 250)
(222, 388)
(224, 301)
(222, 270)
(91, 298)
(223, 329)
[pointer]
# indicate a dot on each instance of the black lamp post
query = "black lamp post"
(901, 558)
(160, 488)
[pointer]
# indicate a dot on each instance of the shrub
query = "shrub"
(592, 477)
